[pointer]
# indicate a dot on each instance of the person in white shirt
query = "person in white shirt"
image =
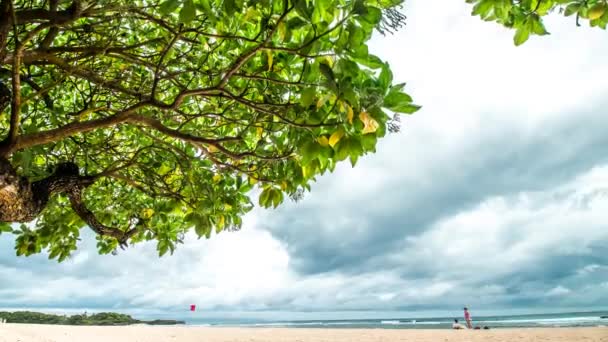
(457, 325)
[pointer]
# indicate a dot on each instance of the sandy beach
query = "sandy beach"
(48, 333)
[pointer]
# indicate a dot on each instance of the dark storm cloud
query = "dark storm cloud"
(501, 163)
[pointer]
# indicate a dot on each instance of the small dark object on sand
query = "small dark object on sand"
(486, 328)
(477, 328)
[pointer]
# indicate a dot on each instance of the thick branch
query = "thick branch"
(22, 201)
(54, 17)
(5, 26)
(50, 36)
(75, 196)
(60, 133)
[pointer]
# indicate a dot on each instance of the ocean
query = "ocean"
(571, 319)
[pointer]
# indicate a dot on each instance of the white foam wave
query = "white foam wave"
(564, 320)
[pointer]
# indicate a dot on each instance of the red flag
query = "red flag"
(192, 307)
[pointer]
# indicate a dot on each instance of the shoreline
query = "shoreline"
(286, 327)
(301, 327)
(12, 332)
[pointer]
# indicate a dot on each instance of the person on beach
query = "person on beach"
(457, 325)
(467, 318)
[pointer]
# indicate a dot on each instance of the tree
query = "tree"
(526, 16)
(143, 119)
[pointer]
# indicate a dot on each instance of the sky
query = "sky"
(494, 196)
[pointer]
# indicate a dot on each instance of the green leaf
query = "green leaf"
(5, 227)
(537, 26)
(572, 9)
(307, 97)
(327, 72)
(351, 96)
(206, 7)
(356, 36)
(271, 197)
(54, 253)
(302, 9)
(521, 35)
(164, 169)
(349, 147)
(169, 6)
(399, 102)
(202, 226)
(596, 11)
(162, 247)
(277, 198)
(188, 12)
(372, 16)
(359, 7)
(386, 77)
(265, 199)
(406, 108)
(229, 7)
(368, 142)
(309, 152)
(483, 8)
(370, 61)
(329, 76)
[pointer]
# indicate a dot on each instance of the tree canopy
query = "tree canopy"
(145, 119)
(526, 16)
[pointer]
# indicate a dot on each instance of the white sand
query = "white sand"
(49, 333)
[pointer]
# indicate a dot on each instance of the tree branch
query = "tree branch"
(5, 25)
(157, 125)
(238, 64)
(75, 196)
(45, 137)
(90, 76)
(50, 36)
(160, 62)
(54, 17)
(16, 79)
(274, 80)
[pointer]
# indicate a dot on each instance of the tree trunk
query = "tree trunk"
(5, 26)
(22, 200)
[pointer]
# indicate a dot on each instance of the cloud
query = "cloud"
(502, 251)
(558, 291)
(493, 196)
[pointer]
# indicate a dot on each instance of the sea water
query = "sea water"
(571, 319)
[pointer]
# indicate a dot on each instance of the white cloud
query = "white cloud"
(558, 291)
(486, 213)
(503, 234)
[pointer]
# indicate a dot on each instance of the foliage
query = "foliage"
(174, 110)
(102, 318)
(526, 16)
(168, 113)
